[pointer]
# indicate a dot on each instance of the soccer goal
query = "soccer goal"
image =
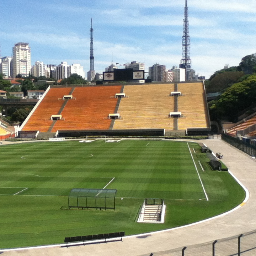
(81, 198)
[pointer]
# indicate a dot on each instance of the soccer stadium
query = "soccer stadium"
(105, 167)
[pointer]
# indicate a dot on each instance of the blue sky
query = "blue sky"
(221, 32)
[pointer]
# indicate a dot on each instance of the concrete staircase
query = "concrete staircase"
(152, 213)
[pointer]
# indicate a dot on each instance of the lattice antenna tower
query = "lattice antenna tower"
(185, 61)
(91, 50)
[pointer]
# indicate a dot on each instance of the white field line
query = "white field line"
(147, 144)
(201, 166)
(106, 185)
(20, 191)
(207, 198)
(109, 183)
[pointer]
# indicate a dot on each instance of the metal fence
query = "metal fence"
(240, 245)
(241, 145)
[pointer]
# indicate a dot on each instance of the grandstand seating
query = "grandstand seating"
(3, 131)
(192, 106)
(146, 107)
(90, 109)
(242, 126)
(41, 119)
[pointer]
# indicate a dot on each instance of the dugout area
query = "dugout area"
(81, 198)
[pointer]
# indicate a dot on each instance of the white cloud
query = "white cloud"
(225, 6)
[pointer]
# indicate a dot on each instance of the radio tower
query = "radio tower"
(91, 73)
(186, 61)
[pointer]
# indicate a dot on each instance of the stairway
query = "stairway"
(152, 213)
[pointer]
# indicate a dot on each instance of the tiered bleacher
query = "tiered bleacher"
(146, 106)
(51, 104)
(6, 131)
(193, 106)
(116, 109)
(244, 128)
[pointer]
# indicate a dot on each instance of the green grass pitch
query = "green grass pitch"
(36, 178)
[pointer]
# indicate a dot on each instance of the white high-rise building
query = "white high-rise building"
(63, 71)
(5, 66)
(39, 69)
(77, 69)
(21, 63)
(179, 74)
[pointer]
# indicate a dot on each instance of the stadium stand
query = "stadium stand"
(192, 106)
(146, 106)
(90, 109)
(241, 126)
(41, 119)
(6, 132)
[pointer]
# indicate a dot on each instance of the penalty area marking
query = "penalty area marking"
(201, 166)
(20, 191)
(207, 198)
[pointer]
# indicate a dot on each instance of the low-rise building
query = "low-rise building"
(35, 94)
(19, 95)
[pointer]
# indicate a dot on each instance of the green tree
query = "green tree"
(26, 85)
(73, 79)
(20, 114)
(4, 84)
(222, 80)
(235, 99)
(248, 64)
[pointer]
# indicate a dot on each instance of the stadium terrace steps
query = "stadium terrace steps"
(41, 119)
(146, 106)
(3, 131)
(192, 106)
(90, 109)
(242, 126)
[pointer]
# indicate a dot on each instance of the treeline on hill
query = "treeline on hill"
(237, 86)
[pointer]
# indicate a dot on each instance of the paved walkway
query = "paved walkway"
(236, 222)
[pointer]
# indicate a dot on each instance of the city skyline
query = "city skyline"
(125, 31)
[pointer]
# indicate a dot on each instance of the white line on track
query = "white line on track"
(20, 191)
(207, 198)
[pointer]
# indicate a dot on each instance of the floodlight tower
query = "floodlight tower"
(91, 73)
(186, 61)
